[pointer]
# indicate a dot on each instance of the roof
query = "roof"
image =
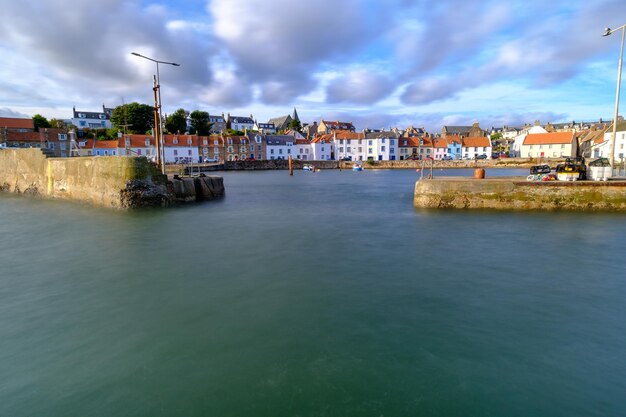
(346, 134)
(279, 140)
(411, 142)
(280, 122)
(23, 137)
(476, 142)
(440, 143)
(240, 119)
(184, 141)
(457, 129)
(106, 144)
(381, 134)
(136, 141)
(337, 125)
(16, 123)
(327, 138)
(549, 138)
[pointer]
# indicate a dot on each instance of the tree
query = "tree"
(57, 123)
(295, 124)
(177, 121)
(40, 121)
(139, 118)
(200, 123)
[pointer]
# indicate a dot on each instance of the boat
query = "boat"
(357, 167)
(308, 167)
(573, 169)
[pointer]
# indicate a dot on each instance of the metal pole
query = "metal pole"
(615, 115)
(161, 137)
(157, 126)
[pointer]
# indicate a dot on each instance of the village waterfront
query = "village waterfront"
(319, 294)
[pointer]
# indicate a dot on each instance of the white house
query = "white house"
(240, 123)
(137, 145)
(182, 149)
(602, 149)
(323, 148)
(549, 145)
(92, 120)
(473, 147)
(382, 145)
(303, 150)
(279, 146)
(350, 145)
(516, 147)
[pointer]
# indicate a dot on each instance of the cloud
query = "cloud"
(6, 112)
(359, 86)
(280, 44)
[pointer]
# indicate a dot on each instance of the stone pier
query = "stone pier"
(519, 194)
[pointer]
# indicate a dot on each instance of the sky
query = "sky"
(377, 63)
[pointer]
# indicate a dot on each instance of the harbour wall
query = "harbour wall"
(117, 182)
(281, 164)
(518, 194)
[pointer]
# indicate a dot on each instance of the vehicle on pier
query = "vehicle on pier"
(573, 169)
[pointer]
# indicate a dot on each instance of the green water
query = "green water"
(324, 294)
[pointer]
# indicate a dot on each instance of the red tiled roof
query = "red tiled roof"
(411, 142)
(326, 138)
(136, 141)
(106, 144)
(476, 142)
(549, 138)
(440, 143)
(182, 140)
(23, 137)
(16, 123)
(346, 134)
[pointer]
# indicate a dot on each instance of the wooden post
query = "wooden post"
(290, 166)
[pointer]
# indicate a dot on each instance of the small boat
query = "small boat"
(308, 167)
(357, 167)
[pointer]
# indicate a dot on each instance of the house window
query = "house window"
(369, 150)
(348, 149)
(562, 146)
(175, 152)
(215, 142)
(272, 152)
(189, 152)
(382, 148)
(175, 141)
(391, 142)
(340, 149)
(280, 151)
(370, 142)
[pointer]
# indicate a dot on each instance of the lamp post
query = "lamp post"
(607, 32)
(158, 110)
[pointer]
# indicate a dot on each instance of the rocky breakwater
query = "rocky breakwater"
(198, 188)
(518, 194)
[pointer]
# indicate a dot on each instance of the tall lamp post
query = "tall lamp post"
(607, 32)
(158, 110)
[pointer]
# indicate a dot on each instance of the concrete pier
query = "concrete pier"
(519, 194)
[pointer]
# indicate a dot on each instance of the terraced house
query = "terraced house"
(549, 145)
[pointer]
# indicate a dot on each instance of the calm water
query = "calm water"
(323, 294)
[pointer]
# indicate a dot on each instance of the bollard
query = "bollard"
(479, 173)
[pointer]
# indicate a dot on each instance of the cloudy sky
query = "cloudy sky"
(374, 62)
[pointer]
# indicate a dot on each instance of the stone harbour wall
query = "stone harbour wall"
(117, 182)
(517, 194)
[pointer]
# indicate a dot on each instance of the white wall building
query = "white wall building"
(323, 148)
(181, 149)
(92, 120)
(279, 147)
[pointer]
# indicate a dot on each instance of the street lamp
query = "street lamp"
(157, 88)
(607, 32)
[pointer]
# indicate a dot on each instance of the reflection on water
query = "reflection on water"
(318, 294)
